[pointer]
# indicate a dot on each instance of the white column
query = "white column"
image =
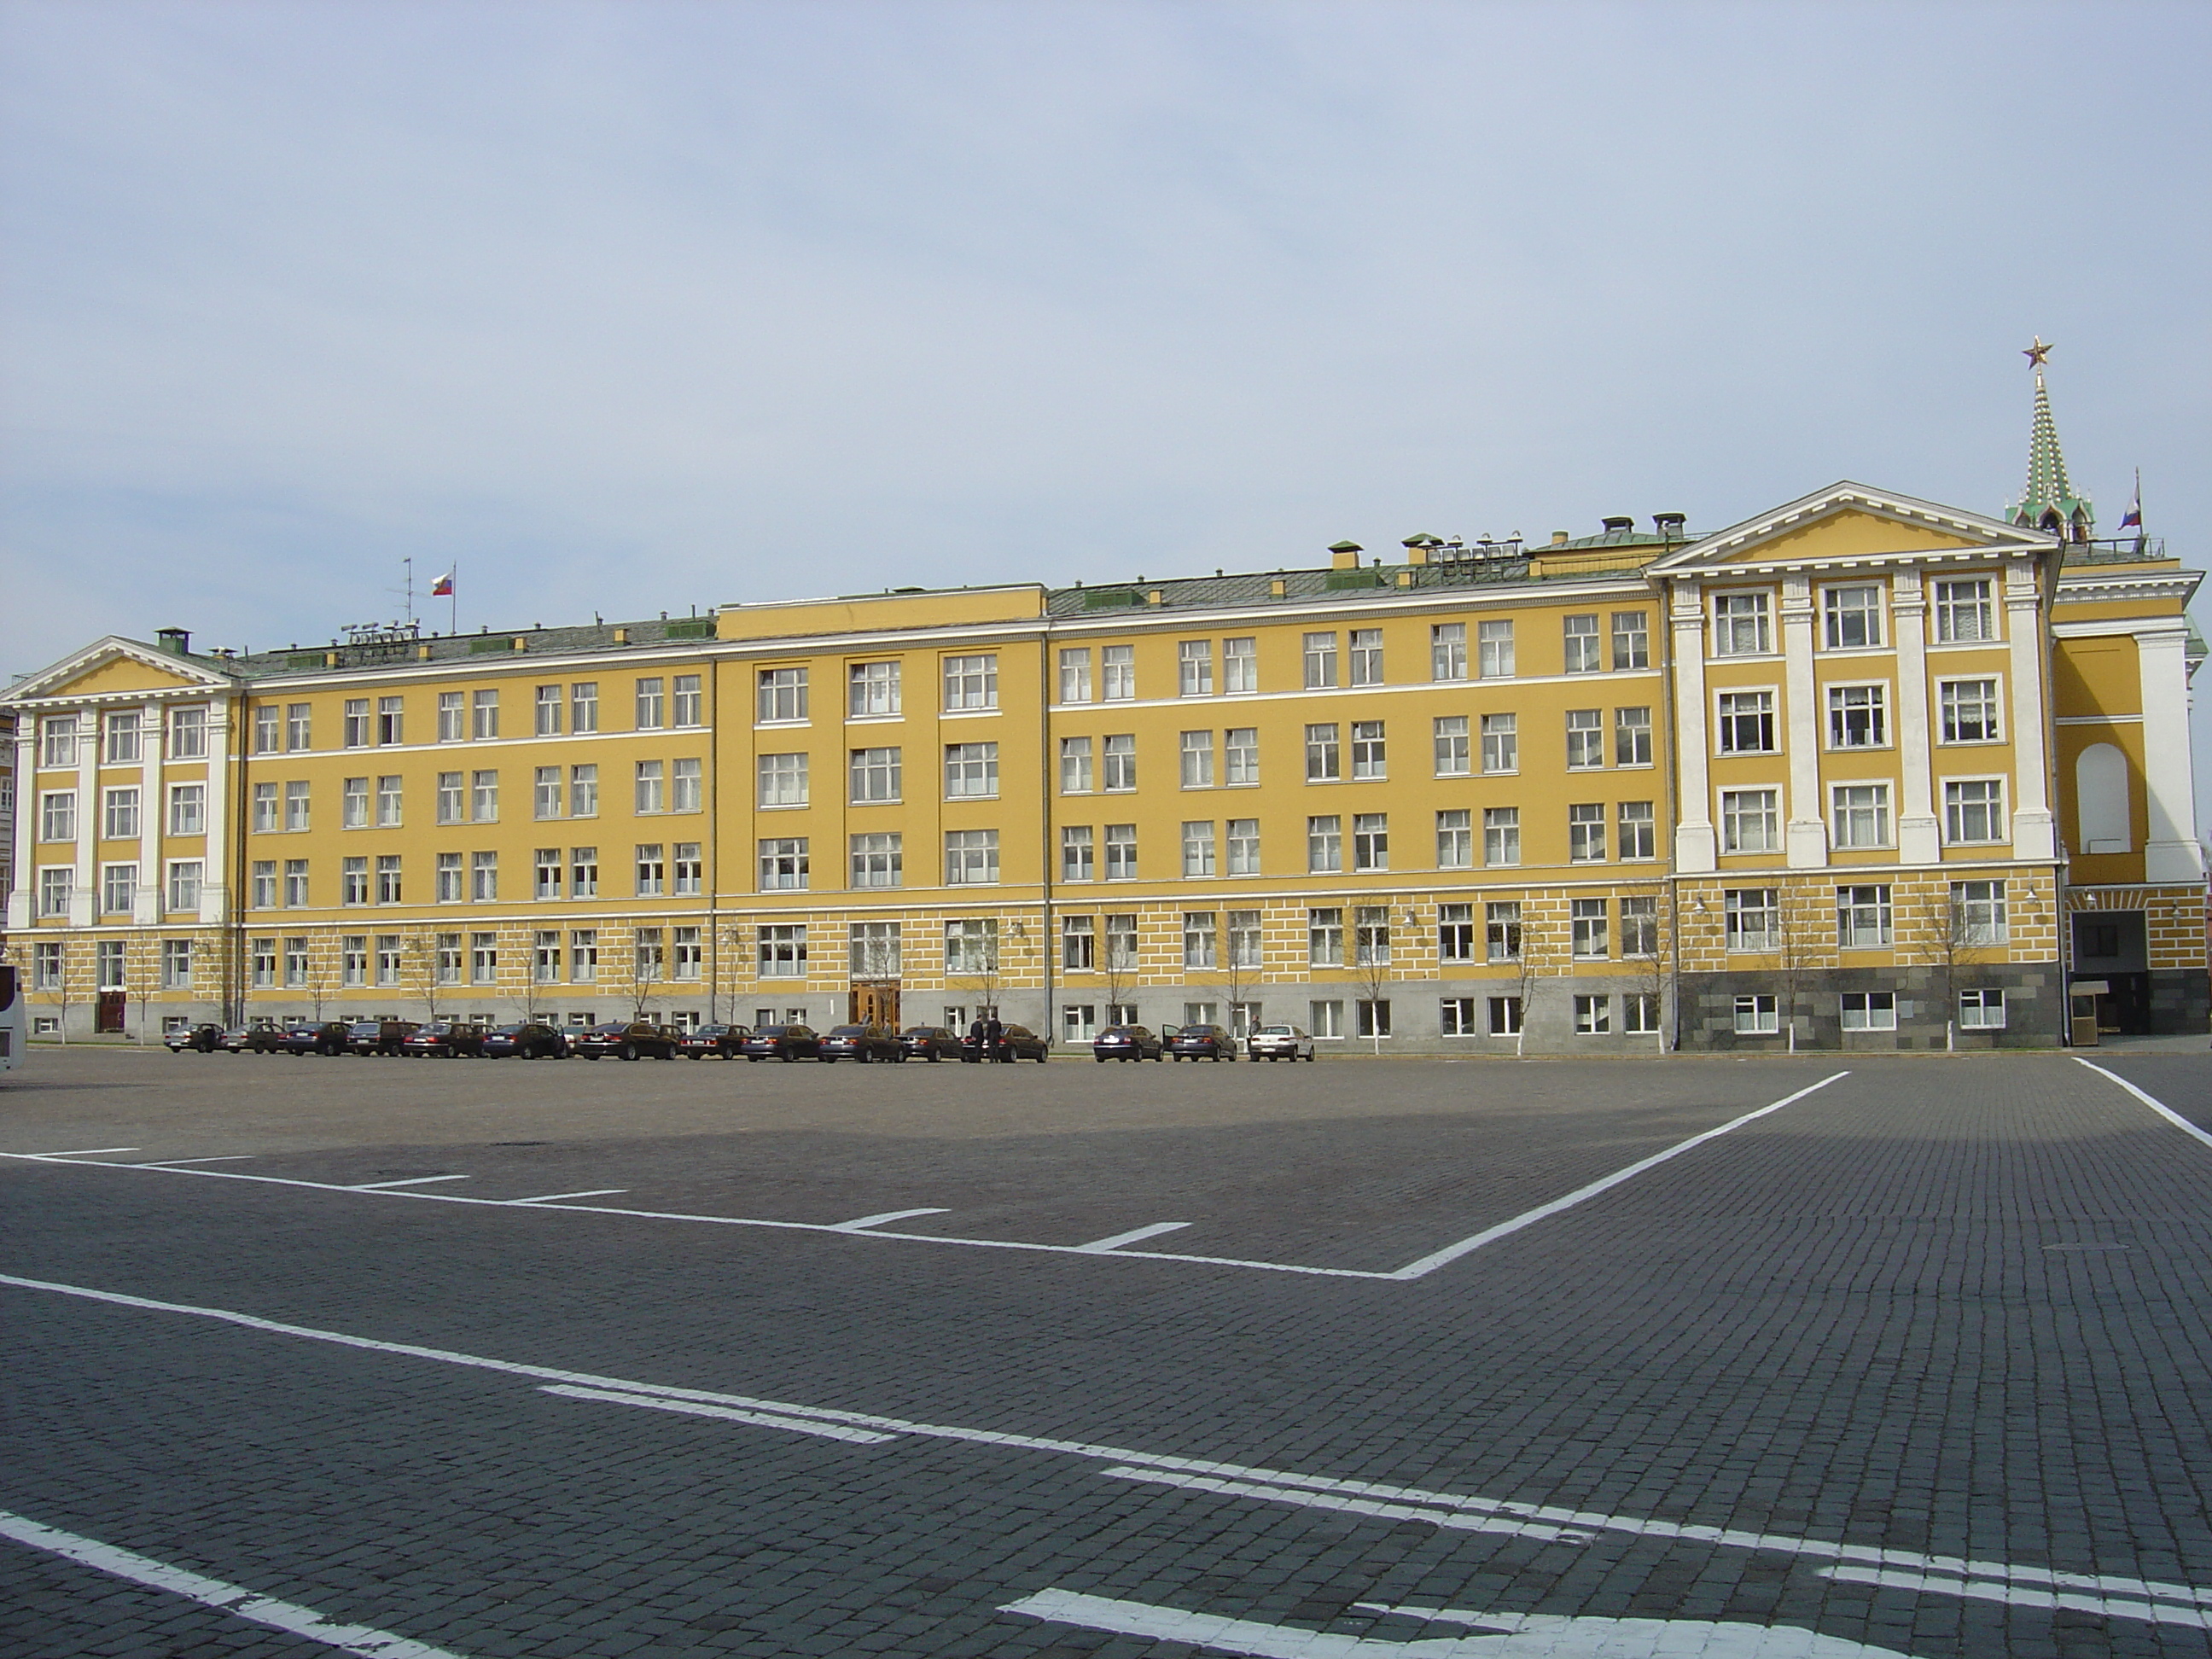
(2170, 853)
(1919, 840)
(2034, 830)
(20, 897)
(153, 822)
(214, 889)
(1695, 846)
(83, 900)
(1805, 836)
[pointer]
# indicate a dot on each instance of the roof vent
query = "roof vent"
(1617, 523)
(1669, 525)
(176, 641)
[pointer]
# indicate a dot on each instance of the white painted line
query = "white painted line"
(1450, 1253)
(548, 1197)
(2151, 1101)
(1986, 1589)
(867, 1221)
(83, 1152)
(234, 1599)
(1438, 1515)
(172, 1163)
(1100, 1246)
(730, 1413)
(1273, 1479)
(384, 1186)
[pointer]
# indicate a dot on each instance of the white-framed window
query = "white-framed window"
(484, 715)
(1121, 758)
(1858, 716)
(686, 705)
(1869, 1011)
(687, 869)
(781, 696)
(1973, 810)
(1757, 1015)
(583, 955)
(1079, 944)
(297, 800)
(483, 797)
(1494, 649)
(1586, 832)
(1456, 933)
(1078, 852)
(1117, 673)
(1194, 668)
(1324, 759)
(1318, 657)
(1374, 1016)
(784, 864)
(583, 873)
(874, 949)
(353, 960)
(1585, 738)
(971, 858)
(782, 779)
(1198, 847)
(1456, 839)
(1370, 840)
(353, 803)
(186, 876)
(1369, 759)
(1447, 651)
(296, 884)
(1079, 1022)
(118, 887)
(1370, 935)
(1978, 913)
(584, 705)
(1455, 1016)
(1075, 773)
(878, 859)
(1501, 743)
(1750, 821)
(126, 743)
(1121, 951)
(783, 950)
(1454, 758)
(971, 771)
(1639, 926)
(1366, 656)
(188, 730)
(1240, 755)
(650, 954)
(261, 972)
(1860, 813)
(47, 967)
(452, 880)
(545, 955)
(353, 881)
(971, 682)
(58, 737)
(1965, 610)
(57, 815)
(1969, 711)
(1504, 1016)
(1580, 645)
(353, 727)
(687, 784)
(545, 792)
(546, 867)
(1746, 722)
(262, 885)
(1594, 1015)
(1752, 918)
(650, 785)
(1121, 852)
(584, 791)
(1638, 830)
(1742, 625)
(872, 689)
(1325, 843)
(1501, 834)
(1075, 674)
(391, 721)
(971, 946)
(389, 801)
(1632, 640)
(1632, 737)
(1982, 1010)
(548, 702)
(1240, 665)
(1197, 757)
(1245, 939)
(1852, 616)
(299, 966)
(1325, 938)
(1589, 931)
(1243, 846)
(119, 815)
(1326, 1020)
(1865, 918)
(177, 963)
(453, 799)
(1200, 940)
(483, 877)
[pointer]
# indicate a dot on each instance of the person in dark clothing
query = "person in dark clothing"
(979, 1035)
(995, 1041)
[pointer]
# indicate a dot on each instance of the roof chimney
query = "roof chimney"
(1345, 555)
(1617, 523)
(176, 641)
(1669, 525)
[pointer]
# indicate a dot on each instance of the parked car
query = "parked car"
(531, 1040)
(1125, 1042)
(261, 1038)
(317, 1037)
(861, 1042)
(784, 1042)
(1015, 1043)
(1202, 1042)
(378, 1036)
(1279, 1042)
(724, 1042)
(929, 1042)
(195, 1039)
(451, 1039)
(625, 1040)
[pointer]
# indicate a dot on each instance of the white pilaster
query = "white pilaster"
(2034, 829)
(215, 888)
(1919, 839)
(83, 900)
(2170, 853)
(20, 896)
(1805, 834)
(153, 823)
(1695, 845)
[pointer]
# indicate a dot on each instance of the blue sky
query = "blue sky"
(631, 307)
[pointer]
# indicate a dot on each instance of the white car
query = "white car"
(1279, 1042)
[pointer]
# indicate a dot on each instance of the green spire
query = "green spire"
(2049, 502)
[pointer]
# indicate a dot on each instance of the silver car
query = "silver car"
(1279, 1042)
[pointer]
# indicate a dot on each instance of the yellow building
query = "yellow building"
(1863, 771)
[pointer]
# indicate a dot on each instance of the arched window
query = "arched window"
(2100, 799)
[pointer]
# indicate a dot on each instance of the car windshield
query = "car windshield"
(770, 1031)
(848, 1031)
(1272, 1030)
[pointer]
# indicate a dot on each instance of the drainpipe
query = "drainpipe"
(1674, 817)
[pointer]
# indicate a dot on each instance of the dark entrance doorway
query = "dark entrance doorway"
(107, 1013)
(874, 1002)
(2113, 945)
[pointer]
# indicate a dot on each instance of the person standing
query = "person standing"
(994, 1038)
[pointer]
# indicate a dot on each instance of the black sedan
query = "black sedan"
(1015, 1043)
(450, 1039)
(259, 1038)
(1202, 1042)
(723, 1041)
(1125, 1042)
(624, 1040)
(378, 1036)
(929, 1042)
(317, 1037)
(861, 1042)
(784, 1042)
(532, 1040)
(195, 1039)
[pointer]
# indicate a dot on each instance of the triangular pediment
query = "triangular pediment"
(115, 667)
(1849, 523)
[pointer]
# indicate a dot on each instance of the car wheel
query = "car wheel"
(627, 1051)
(1042, 1055)
(785, 1056)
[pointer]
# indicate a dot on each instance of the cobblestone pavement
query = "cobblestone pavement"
(1915, 1362)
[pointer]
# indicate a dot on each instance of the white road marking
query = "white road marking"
(871, 1226)
(1987, 1590)
(1450, 1253)
(234, 1599)
(1100, 1246)
(548, 1197)
(1723, 1537)
(692, 1408)
(1519, 1635)
(81, 1151)
(2151, 1101)
(172, 1163)
(1444, 1516)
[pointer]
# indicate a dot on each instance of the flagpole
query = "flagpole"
(407, 564)
(454, 594)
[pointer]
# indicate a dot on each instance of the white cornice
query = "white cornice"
(1998, 538)
(27, 692)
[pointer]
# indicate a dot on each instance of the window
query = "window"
(1858, 716)
(1640, 1013)
(1982, 1010)
(546, 866)
(1977, 914)
(971, 947)
(782, 781)
(1370, 840)
(783, 864)
(1746, 722)
(389, 802)
(686, 708)
(583, 873)
(299, 725)
(1240, 665)
(1368, 761)
(545, 957)
(120, 815)
(265, 728)
(295, 804)
(483, 877)
(1964, 610)
(971, 682)
(1973, 810)
(1079, 1022)
(298, 964)
(1075, 675)
(584, 705)
(353, 881)
(688, 869)
(1456, 840)
(1447, 651)
(483, 958)
(545, 792)
(1455, 1016)
(1632, 737)
(118, 887)
(873, 947)
(1318, 653)
(1585, 738)
(652, 704)
(1741, 625)
(1449, 735)
(971, 858)
(878, 859)
(1864, 920)
(1325, 939)
(1494, 650)
(1969, 710)
(1198, 940)
(1077, 853)
(186, 876)
(263, 884)
(1501, 743)
(1197, 849)
(453, 799)
(1325, 843)
(1638, 830)
(1326, 1019)
(1749, 821)
(177, 963)
(1079, 944)
(1121, 761)
(452, 717)
(1752, 918)
(1243, 846)
(484, 715)
(263, 971)
(353, 803)
(1074, 766)
(1323, 762)
(651, 868)
(1121, 943)
(1586, 922)
(1121, 852)
(1194, 668)
(1504, 1016)
(649, 786)
(1586, 833)
(584, 792)
(57, 735)
(1631, 641)
(1853, 616)
(872, 690)
(1869, 1011)
(1581, 645)
(1501, 834)
(1374, 1017)
(1117, 667)
(57, 815)
(1240, 755)
(450, 877)
(548, 704)
(1244, 940)
(296, 884)
(353, 960)
(1861, 813)
(971, 771)
(483, 797)
(875, 774)
(353, 724)
(188, 729)
(1198, 760)
(1639, 927)
(583, 955)
(781, 696)
(125, 744)
(1366, 656)
(649, 955)
(1592, 1015)
(1371, 934)
(1757, 1016)
(1456, 933)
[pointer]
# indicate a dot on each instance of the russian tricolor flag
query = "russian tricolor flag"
(443, 587)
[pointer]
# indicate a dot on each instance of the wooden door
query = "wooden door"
(875, 1002)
